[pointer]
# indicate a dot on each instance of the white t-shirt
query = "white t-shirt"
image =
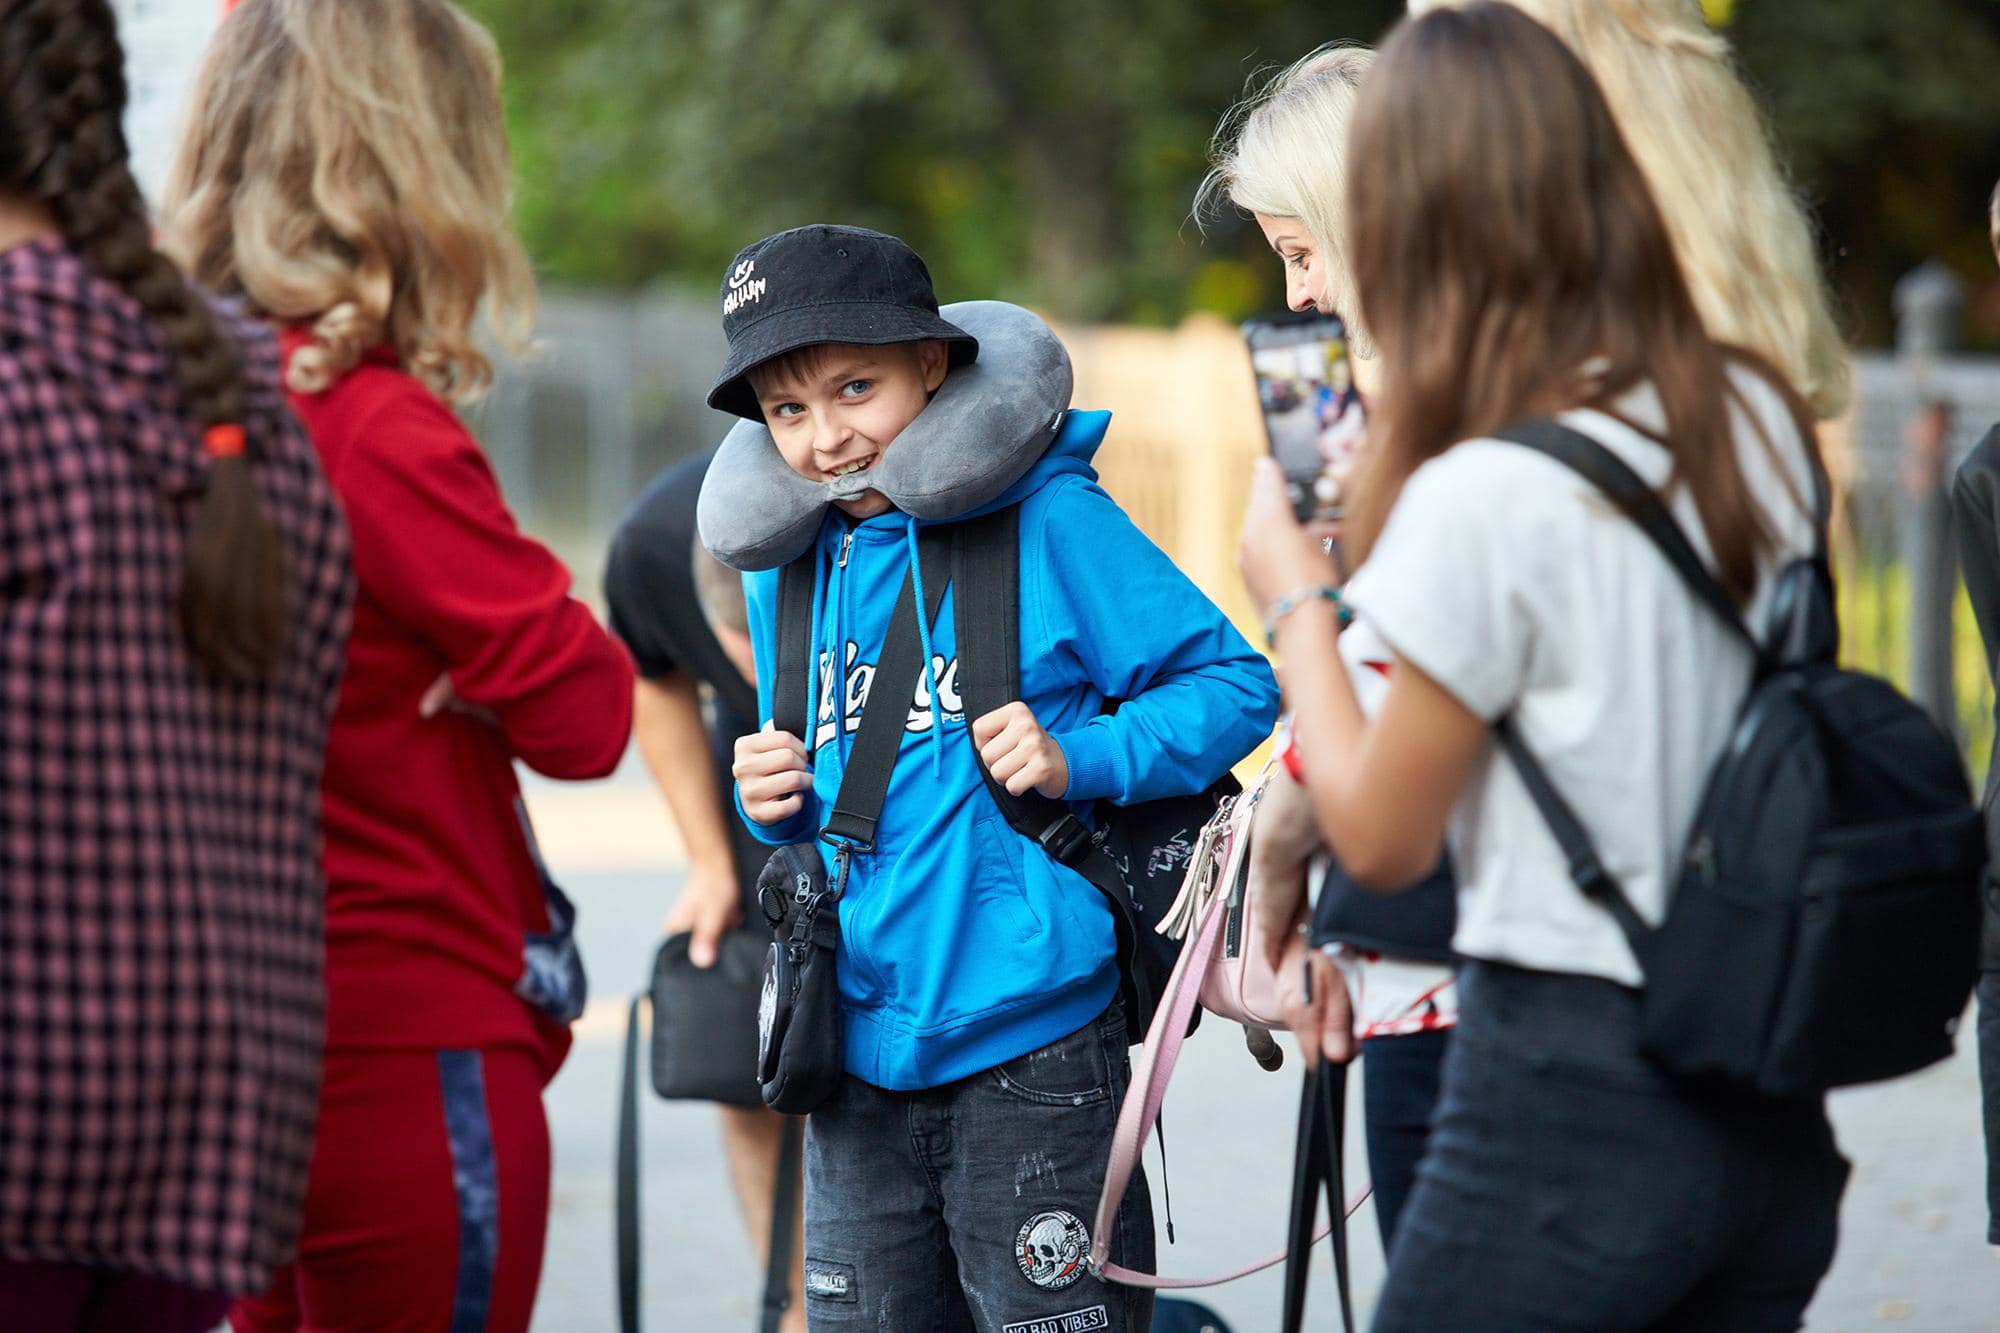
(1509, 580)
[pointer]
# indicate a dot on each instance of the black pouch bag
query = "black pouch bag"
(1416, 923)
(704, 1043)
(799, 1053)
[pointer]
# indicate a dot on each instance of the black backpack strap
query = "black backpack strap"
(1642, 504)
(1586, 871)
(986, 572)
(625, 1205)
(864, 785)
(791, 679)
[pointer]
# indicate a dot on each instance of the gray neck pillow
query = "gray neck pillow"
(979, 434)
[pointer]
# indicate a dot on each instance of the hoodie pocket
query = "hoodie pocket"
(1002, 885)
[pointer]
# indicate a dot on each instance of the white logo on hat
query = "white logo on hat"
(742, 289)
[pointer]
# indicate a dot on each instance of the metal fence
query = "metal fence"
(1903, 612)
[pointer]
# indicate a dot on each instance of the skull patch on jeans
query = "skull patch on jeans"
(1051, 1247)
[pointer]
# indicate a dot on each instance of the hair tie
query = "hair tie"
(223, 441)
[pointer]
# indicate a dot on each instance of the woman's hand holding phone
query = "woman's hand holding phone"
(1276, 554)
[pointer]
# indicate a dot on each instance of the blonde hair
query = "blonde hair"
(1282, 151)
(1743, 239)
(344, 163)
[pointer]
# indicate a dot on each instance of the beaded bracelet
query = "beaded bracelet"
(1298, 597)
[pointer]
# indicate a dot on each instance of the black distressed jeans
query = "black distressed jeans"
(968, 1206)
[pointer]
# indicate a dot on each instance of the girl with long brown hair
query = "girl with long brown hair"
(346, 175)
(1511, 264)
(174, 592)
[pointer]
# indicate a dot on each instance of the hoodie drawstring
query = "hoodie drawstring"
(924, 637)
(823, 598)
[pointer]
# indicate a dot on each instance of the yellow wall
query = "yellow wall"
(1185, 429)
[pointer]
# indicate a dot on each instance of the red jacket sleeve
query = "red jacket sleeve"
(438, 552)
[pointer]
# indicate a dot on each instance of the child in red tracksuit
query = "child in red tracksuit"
(428, 1196)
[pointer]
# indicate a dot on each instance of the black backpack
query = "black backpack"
(1138, 854)
(1823, 927)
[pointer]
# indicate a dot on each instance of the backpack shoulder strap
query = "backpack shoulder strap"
(1586, 870)
(986, 573)
(985, 555)
(1642, 504)
(792, 674)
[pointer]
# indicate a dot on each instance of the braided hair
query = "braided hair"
(62, 97)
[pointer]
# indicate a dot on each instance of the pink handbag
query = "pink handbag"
(1222, 965)
(1235, 979)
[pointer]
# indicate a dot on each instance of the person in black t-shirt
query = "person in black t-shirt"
(1975, 506)
(681, 613)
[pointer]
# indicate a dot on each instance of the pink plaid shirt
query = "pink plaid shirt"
(160, 882)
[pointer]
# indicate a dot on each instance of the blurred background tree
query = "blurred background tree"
(1047, 151)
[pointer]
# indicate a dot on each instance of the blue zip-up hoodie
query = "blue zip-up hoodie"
(962, 945)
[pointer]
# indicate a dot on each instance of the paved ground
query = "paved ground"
(1912, 1253)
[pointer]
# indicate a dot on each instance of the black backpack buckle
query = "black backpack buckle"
(1067, 840)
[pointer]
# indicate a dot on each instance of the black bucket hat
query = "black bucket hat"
(824, 284)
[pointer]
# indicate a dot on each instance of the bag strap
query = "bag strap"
(1586, 870)
(1642, 504)
(625, 1174)
(864, 783)
(625, 1204)
(792, 679)
(986, 571)
(1317, 1169)
(784, 1200)
(1140, 1111)
(985, 555)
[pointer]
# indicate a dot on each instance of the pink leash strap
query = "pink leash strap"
(1137, 1116)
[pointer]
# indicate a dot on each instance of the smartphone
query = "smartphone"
(1312, 416)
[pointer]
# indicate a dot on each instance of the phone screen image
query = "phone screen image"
(1312, 416)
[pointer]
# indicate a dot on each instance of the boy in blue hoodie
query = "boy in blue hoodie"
(949, 1180)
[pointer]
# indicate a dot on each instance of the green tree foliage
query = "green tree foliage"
(1889, 115)
(1042, 150)
(1048, 150)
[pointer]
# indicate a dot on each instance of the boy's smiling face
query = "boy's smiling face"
(836, 407)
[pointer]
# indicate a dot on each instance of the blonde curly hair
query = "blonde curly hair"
(1744, 242)
(344, 165)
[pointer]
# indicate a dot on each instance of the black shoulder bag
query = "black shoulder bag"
(799, 1055)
